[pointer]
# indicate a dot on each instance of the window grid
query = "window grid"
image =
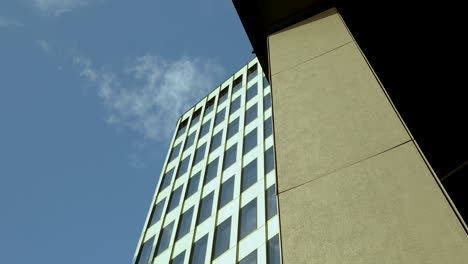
(219, 152)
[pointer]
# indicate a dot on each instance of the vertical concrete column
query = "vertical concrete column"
(352, 186)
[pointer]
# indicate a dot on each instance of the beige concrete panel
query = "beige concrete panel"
(386, 209)
(307, 39)
(330, 112)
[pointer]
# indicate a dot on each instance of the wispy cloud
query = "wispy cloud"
(58, 7)
(44, 45)
(156, 93)
(8, 22)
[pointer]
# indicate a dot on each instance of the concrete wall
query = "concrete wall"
(352, 186)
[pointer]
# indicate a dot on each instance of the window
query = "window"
(216, 141)
(190, 140)
(182, 128)
(252, 91)
(269, 160)
(192, 185)
(265, 82)
(184, 223)
(195, 117)
(175, 199)
(179, 259)
(211, 171)
(222, 237)
(233, 128)
(157, 212)
(252, 72)
(164, 238)
(220, 117)
(268, 127)
(249, 175)
(223, 95)
(227, 192)
(248, 219)
(167, 178)
(266, 102)
(235, 105)
(230, 156)
(205, 129)
(199, 251)
(174, 152)
(271, 202)
(251, 114)
(250, 259)
(273, 250)
(199, 154)
(204, 211)
(145, 252)
(237, 84)
(209, 106)
(250, 141)
(183, 166)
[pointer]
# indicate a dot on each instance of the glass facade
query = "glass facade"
(216, 201)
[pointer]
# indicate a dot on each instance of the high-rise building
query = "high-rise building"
(216, 198)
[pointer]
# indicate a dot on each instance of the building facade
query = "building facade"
(216, 198)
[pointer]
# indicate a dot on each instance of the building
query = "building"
(369, 163)
(216, 199)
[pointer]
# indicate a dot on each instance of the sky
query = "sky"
(90, 93)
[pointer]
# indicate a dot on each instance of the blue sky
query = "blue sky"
(89, 95)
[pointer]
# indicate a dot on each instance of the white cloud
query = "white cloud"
(8, 22)
(58, 7)
(158, 91)
(44, 45)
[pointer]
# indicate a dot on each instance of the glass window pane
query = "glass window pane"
(235, 105)
(167, 178)
(223, 95)
(209, 106)
(250, 141)
(183, 166)
(233, 128)
(227, 192)
(220, 116)
(252, 72)
(230, 156)
(179, 259)
(174, 152)
(182, 128)
(248, 219)
(195, 117)
(249, 175)
(266, 102)
(251, 114)
(145, 252)
(269, 160)
(273, 250)
(271, 202)
(190, 140)
(199, 154)
(205, 128)
(250, 259)
(252, 91)
(205, 208)
(157, 212)
(265, 82)
(268, 127)
(237, 84)
(222, 237)
(164, 239)
(216, 141)
(193, 185)
(185, 223)
(199, 251)
(211, 171)
(175, 199)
